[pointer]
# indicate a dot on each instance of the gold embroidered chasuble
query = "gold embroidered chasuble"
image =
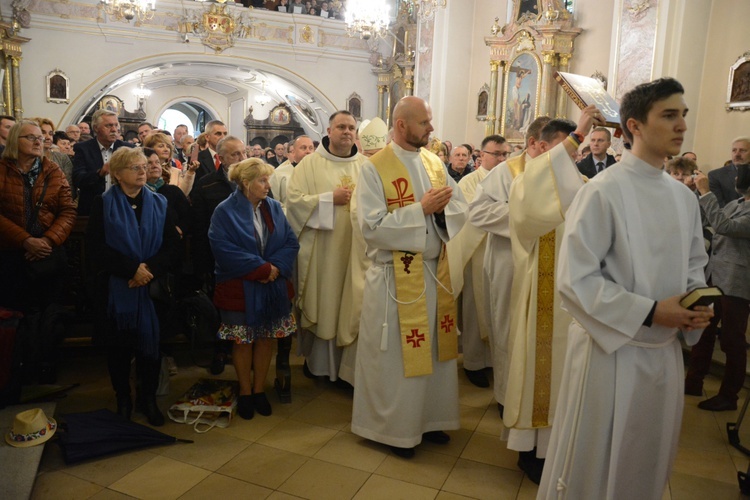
(408, 272)
(324, 230)
(538, 332)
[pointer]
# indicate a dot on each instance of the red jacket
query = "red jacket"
(57, 213)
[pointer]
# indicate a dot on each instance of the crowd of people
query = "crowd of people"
(562, 271)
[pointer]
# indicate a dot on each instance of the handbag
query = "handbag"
(160, 288)
(207, 404)
(56, 261)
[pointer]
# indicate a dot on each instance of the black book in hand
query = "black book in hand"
(701, 297)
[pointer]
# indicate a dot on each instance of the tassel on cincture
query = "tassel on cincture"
(384, 338)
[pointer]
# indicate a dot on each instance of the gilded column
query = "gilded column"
(17, 107)
(504, 67)
(547, 101)
(562, 99)
(382, 103)
(409, 82)
(7, 89)
(489, 126)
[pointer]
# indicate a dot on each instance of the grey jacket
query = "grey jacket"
(729, 261)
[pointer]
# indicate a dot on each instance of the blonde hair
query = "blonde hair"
(248, 170)
(124, 158)
(45, 121)
(11, 146)
(152, 139)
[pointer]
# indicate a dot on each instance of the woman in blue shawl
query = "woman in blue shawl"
(255, 249)
(130, 242)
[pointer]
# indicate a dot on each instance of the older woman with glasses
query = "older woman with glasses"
(37, 215)
(131, 242)
(255, 249)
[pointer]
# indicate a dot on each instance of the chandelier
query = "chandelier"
(141, 93)
(263, 98)
(127, 10)
(367, 18)
(424, 9)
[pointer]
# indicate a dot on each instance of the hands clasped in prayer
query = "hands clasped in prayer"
(435, 199)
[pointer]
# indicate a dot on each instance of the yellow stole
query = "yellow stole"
(517, 164)
(408, 270)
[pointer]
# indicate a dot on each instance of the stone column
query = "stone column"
(547, 100)
(562, 97)
(17, 106)
(489, 126)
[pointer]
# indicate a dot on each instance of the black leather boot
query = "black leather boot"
(283, 382)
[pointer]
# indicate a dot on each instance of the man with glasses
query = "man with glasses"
(91, 159)
(466, 255)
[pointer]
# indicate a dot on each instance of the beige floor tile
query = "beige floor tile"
(209, 451)
(161, 478)
(333, 393)
(687, 487)
(528, 489)
(262, 465)
(298, 437)
(693, 417)
(324, 481)
(278, 495)
(470, 417)
(471, 395)
(106, 471)
(704, 438)
(483, 481)
(107, 494)
(426, 468)
(454, 447)
(353, 451)
(219, 486)
(704, 464)
(289, 409)
(253, 429)
(333, 414)
(490, 450)
(379, 487)
(446, 495)
(491, 423)
(52, 459)
(62, 486)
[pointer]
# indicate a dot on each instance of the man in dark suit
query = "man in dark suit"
(206, 195)
(721, 180)
(600, 140)
(209, 158)
(91, 160)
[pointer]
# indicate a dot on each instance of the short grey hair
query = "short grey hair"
(98, 115)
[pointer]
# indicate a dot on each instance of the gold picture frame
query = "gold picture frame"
(111, 103)
(523, 85)
(58, 87)
(738, 88)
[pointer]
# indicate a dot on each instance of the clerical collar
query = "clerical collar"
(399, 150)
(326, 142)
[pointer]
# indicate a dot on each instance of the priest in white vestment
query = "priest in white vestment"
(539, 197)
(318, 209)
(633, 245)
(489, 212)
(466, 253)
(389, 406)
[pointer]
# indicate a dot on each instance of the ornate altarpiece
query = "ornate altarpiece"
(524, 56)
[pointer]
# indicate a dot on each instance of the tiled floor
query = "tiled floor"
(306, 450)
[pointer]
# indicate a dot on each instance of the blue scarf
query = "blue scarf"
(131, 308)
(154, 186)
(235, 246)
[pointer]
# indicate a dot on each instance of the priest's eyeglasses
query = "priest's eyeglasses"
(497, 154)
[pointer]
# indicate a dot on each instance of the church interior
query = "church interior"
(271, 76)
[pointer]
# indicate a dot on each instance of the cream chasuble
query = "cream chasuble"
(633, 236)
(489, 212)
(539, 198)
(324, 231)
(279, 180)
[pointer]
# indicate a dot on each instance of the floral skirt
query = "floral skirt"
(233, 328)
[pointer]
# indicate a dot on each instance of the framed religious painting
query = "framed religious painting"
(354, 106)
(521, 96)
(58, 87)
(280, 115)
(738, 89)
(483, 99)
(111, 103)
